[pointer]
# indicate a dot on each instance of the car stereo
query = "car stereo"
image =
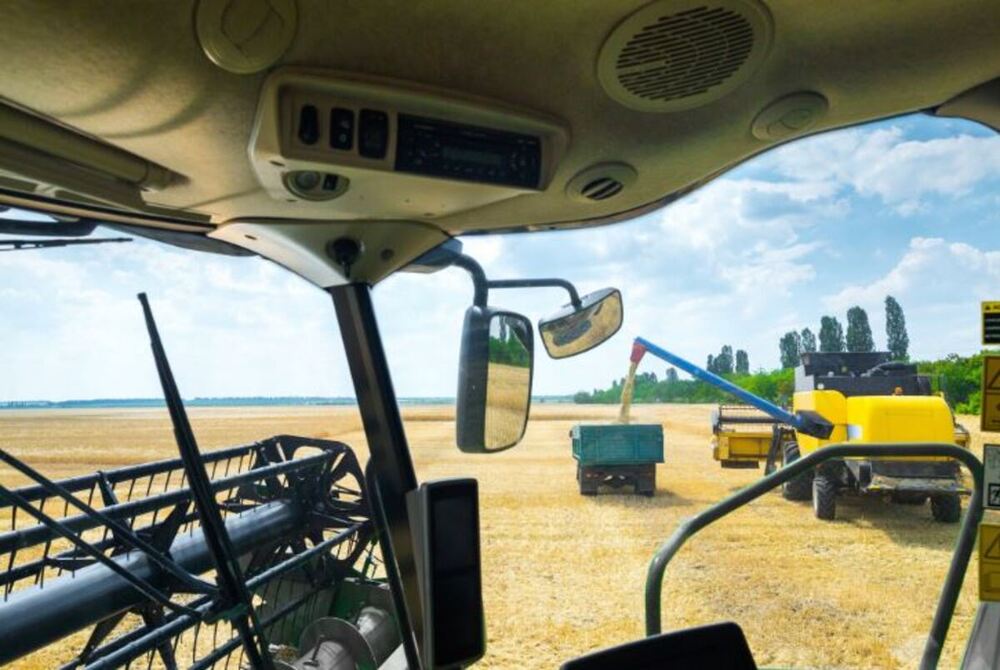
(456, 151)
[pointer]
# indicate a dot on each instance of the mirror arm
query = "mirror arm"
(574, 297)
(483, 285)
(469, 264)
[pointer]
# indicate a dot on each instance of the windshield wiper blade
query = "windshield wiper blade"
(19, 245)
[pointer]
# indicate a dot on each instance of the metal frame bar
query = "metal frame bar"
(229, 575)
(482, 285)
(574, 297)
(387, 445)
(956, 571)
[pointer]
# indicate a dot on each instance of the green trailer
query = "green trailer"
(617, 455)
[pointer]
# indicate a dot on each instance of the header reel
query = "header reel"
(245, 557)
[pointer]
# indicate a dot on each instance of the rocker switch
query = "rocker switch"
(342, 128)
(308, 124)
(373, 133)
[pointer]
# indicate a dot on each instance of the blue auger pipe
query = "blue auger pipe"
(810, 423)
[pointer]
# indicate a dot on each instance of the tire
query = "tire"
(646, 485)
(588, 487)
(824, 497)
(946, 507)
(799, 488)
(909, 498)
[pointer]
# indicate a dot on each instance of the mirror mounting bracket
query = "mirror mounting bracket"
(482, 285)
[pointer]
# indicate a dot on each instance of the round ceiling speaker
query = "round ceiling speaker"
(673, 55)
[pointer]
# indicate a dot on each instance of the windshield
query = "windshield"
(882, 238)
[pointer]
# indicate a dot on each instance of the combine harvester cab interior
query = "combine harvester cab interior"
(347, 142)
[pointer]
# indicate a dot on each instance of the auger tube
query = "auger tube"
(809, 423)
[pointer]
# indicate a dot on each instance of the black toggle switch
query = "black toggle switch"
(373, 133)
(342, 128)
(308, 124)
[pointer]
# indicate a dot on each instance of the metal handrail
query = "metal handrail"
(959, 561)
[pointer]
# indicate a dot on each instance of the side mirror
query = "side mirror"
(576, 329)
(494, 380)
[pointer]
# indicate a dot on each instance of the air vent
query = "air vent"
(674, 55)
(600, 182)
(602, 188)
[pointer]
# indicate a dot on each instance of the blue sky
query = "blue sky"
(908, 207)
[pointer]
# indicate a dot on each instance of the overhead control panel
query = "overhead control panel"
(348, 145)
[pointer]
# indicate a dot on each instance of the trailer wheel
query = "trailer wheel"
(588, 485)
(946, 508)
(824, 496)
(646, 482)
(799, 488)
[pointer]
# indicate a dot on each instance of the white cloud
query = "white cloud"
(901, 172)
(940, 285)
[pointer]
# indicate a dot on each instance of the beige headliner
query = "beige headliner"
(133, 74)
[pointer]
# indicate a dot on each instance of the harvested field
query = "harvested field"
(564, 574)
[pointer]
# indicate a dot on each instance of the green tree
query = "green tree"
(897, 341)
(671, 375)
(831, 335)
(859, 332)
(742, 362)
(808, 341)
(710, 364)
(724, 361)
(790, 346)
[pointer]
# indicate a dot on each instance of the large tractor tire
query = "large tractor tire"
(824, 497)
(799, 488)
(946, 507)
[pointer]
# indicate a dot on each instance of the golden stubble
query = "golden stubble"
(564, 574)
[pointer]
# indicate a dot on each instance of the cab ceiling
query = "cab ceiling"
(135, 76)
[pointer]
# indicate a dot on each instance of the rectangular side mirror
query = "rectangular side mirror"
(494, 380)
(444, 515)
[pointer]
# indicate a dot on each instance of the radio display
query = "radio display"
(449, 150)
(451, 153)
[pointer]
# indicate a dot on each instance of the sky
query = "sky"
(908, 207)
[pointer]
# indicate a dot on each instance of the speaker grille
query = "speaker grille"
(676, 55)
(685, 54)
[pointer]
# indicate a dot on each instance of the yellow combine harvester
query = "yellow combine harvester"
(840, 398)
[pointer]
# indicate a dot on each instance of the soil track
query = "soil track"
(564, 574)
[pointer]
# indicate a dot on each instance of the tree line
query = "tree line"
(957, 377)
(858, 337)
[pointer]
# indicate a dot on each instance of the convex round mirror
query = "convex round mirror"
(574, 330)
(494, 380)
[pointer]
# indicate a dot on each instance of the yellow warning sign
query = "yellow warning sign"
(989, 562)
(991, 322)
(990, 415)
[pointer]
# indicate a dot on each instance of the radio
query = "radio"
(456, 151)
